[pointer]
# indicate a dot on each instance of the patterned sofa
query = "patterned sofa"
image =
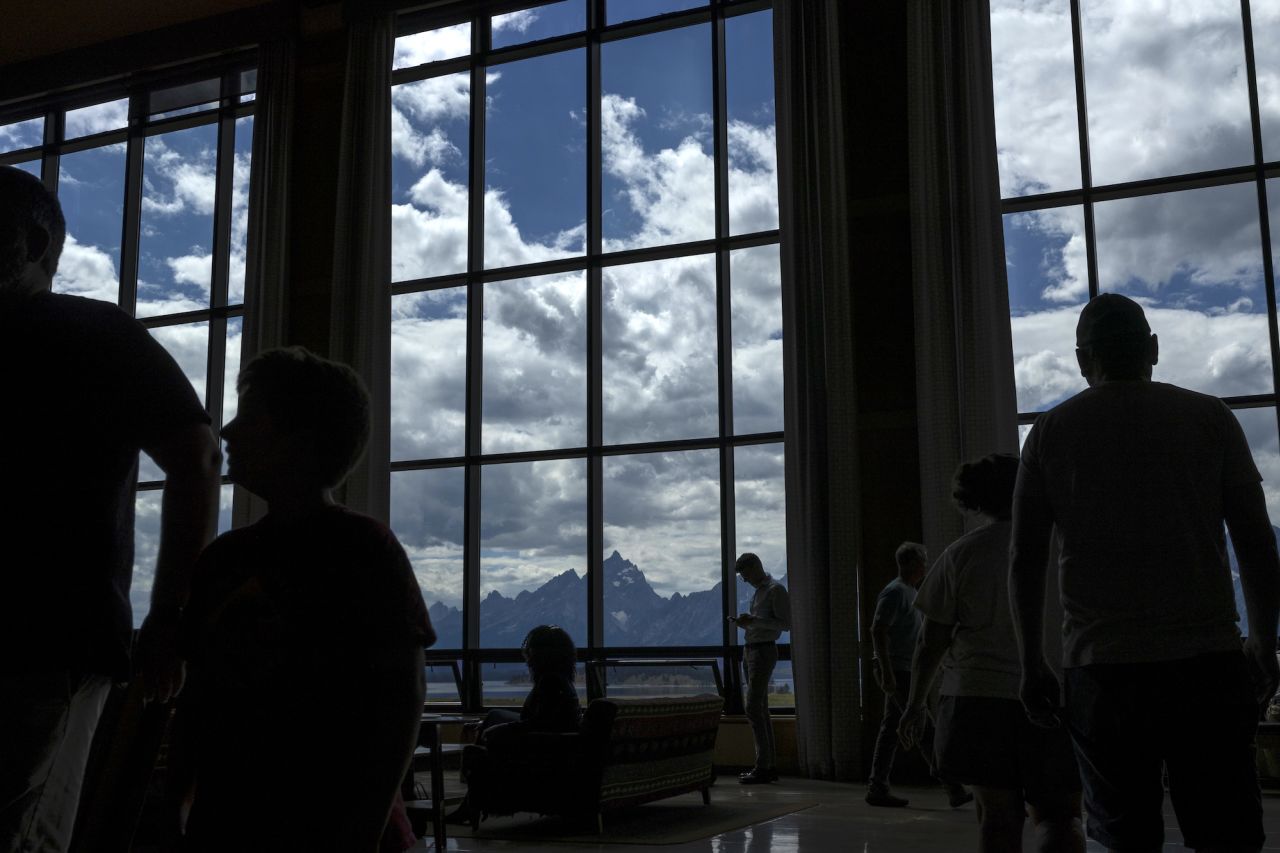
(626, 752)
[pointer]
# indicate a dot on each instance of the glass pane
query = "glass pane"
(175, 255)
(782, 686)
(21, 134)
(31, 167)
(1194, 259)
(1260, 429)
(535, 160)
(756, 281)
(659, 349)
(98, 118)
(230, 399)
(91, 192)
(226, 494)
(1048, 285)
(506, 684)
(249, 80)
(432, 46)
(189, 346)
(651, 681)
(429, 144)
(554, 19)
(441, 685)
(146, 545)
(533, 541)
(535, 352)
(1033, 79)
(630, 10)
(427, 517)
(240, 209)
(1266, 48)
(187, 98)
(1166, 88)
(760, 519)
(753, 146)
(428, 374)
(658, 184)
(662, 567)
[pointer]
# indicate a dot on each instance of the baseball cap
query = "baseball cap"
(1110, 317)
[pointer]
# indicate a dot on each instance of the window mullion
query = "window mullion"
(1082, 131)
(132, 227)
(595, 331)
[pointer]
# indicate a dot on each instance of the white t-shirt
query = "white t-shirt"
(1133, 474)
(968, 587)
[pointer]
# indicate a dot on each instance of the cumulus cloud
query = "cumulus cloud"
(21, 134)
(86, 270)
(98, 118)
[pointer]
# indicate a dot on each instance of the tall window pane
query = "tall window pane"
(532, 550)
(761, 518)
(175, 255)
(1195, 259)
(535, 352)
(427, 517)
(428, 374)
(553, 19)
(756, 281)
(91, 192)
(660, 350)
(1165, 88)
(535, 160)
(662, 567)
(429, 178)
(753, 147)
(1037, 142)
(655, 111)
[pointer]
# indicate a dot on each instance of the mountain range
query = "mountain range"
(636, 615)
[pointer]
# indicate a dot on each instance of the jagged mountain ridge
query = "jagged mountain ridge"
(636, 615)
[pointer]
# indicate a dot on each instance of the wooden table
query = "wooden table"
(430, 748)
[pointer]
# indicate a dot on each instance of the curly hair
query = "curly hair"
(986, 485)
(549, 650)
(306, 392)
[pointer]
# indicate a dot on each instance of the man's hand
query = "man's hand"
(1041, 696)
(745, 620)
(911, 726)
(161, 670)
(1263, 667)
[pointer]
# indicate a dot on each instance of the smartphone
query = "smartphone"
(731, 618)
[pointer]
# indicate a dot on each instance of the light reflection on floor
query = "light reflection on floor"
(841, 822)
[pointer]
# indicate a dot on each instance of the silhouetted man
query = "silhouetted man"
(85, 387)
(769, 616)
(1138, 478)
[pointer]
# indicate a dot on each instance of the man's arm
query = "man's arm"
(1028, 565)
(191, 461)
(881, 622)
(932, 643)
(1245, 510)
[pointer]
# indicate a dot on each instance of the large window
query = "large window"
(153, 180)
(1138, 145)
(586, 407)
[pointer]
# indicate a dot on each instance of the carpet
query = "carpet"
(674, 821)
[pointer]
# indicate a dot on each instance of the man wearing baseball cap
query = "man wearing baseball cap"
(1136, 478)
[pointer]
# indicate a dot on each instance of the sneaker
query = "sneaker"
(882, 797)
(957, 796)
(758, 776)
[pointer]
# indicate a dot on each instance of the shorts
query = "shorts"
(1197, 717)
(990, 742)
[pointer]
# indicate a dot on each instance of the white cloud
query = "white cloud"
(175, 182)
(515, 21)
(97, 118)
(86, 270)
(432, 46)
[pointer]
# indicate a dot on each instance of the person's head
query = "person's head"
(1114, 341)
(986, 485)
(750, 568)
(302, 423)
(549, 650)
(32, 231)
(913, 561)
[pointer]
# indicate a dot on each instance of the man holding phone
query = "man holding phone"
(769, 616)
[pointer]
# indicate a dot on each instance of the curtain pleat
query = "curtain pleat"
(967, 405)
(361, 309)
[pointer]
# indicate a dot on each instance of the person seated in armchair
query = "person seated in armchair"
(551, 706)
